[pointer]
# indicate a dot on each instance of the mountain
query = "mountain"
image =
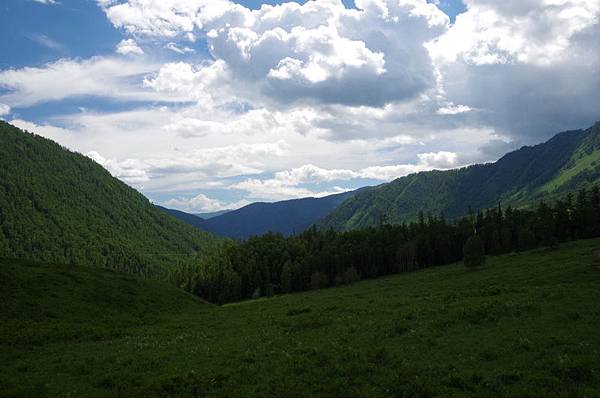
(62, 207)
(286, 217)
(207, 216)
(559, 165)
(187, 218)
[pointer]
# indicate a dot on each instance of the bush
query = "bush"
(474, 252)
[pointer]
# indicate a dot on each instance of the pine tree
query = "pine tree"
(474, 252)
(286, 277)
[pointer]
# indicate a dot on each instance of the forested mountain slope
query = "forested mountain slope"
(207, 216)
(191, 219)
(62, 207)
(561, 164)
(285, 217)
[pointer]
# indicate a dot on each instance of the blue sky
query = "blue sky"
(35, 33)
(306, 99)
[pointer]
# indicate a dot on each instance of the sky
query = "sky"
(205, 105)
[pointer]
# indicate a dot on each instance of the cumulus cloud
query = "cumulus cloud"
(204, 83)
(181, 169)
(314, 174)
(4, 109)
(275, 190)
(54, 133)
(529, 68)
(451, 109)
(500, 32)
(374, 92)
(319, 51)
(441, 160)
(129, 46)
(203, 204)
(291, 184)
(131, 170)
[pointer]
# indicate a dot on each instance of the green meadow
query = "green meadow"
(523, 325)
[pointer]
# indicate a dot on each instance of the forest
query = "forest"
(58, 206)
(273, 264)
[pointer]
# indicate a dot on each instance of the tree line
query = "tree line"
(272, 264)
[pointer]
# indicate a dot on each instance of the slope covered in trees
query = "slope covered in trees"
(564, 163)
(62, 207)
(285, 217)
(187, 218)
(270, 264)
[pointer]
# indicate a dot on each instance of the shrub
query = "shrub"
(474, 252)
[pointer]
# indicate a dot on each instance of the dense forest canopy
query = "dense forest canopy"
(269, 264)
(546, 171)
(61, 207)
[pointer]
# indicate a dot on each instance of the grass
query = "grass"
(524, 325)
(584, 162)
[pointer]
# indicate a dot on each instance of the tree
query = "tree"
(286, 277)
(526, 239)
(351, 275)
(474, 252)
(318, 280)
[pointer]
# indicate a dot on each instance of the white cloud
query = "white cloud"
(54, 133)
(131, 170)
(129, 46)
(180, 50)
(4, 109)
(201, 83)
(275, 190)
(319, 51)
(451, 109)
(377, 92)
(500, 32)
(441, 160)
(288, 184)
(47, 42)
(313, 174)
(529, 68)
(97, 76)
(47, 2)
(203, 204)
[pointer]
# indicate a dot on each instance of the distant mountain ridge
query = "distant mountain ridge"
(207, 216)
(285, 217)
(58, 206)
(187, 218)
(561, 164)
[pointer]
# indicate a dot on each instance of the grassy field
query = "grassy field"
(525, 325)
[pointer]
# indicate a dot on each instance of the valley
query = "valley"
(522, 325)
